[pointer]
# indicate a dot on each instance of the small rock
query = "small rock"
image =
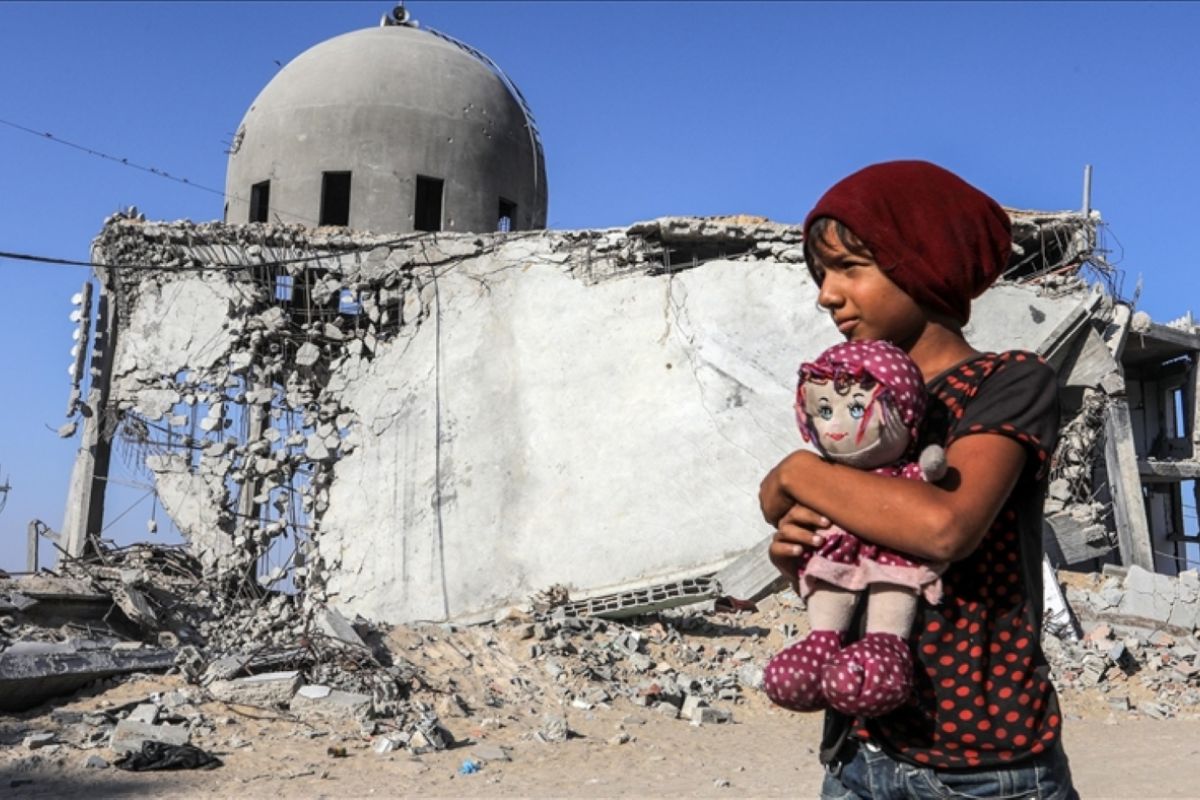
(95, 762)
(36, 741)
(721, 783)
(554, 728)
(490, 752)
(387, 744)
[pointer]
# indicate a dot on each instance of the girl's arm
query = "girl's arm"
(942, 521)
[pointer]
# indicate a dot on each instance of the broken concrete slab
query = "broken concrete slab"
(325, 702)
(129, 735)
(33, 672)
(268, 690)
(1159, 601)
(337, 627)
(490, 752)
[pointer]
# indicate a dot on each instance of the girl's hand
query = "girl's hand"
(773, 497)
(800, 528)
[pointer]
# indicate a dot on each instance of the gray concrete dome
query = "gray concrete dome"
(430, 132)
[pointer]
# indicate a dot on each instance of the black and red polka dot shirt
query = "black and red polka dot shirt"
(983, 696)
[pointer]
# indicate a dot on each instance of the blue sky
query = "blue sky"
(646, 109)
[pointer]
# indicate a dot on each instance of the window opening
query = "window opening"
(348, 302)
(260, 201)
(507, 216)
(1179, 420)
(427, 211)
(285, 287)
(335, 198)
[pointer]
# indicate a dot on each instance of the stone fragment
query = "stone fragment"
(387, 744)
(491, 752)
(333, 624)
(307, 355)
(144, 712)
(268, 690)
(331, 703)
(691, 704)
(710, 716)
(129, 735)
(95, 762)
(36, 741)
(554, 728)
(667, 709)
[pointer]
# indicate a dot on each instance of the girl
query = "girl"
(899, 250)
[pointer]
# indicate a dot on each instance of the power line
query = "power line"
(125, 162)
(115, 159)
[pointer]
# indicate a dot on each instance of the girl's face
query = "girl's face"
(862, 300)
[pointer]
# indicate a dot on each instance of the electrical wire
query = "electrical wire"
(125, 162)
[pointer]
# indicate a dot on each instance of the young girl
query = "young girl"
(899, 250)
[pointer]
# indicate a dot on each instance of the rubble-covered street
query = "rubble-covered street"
(536, 703)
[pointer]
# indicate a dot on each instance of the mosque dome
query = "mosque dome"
(394, 128)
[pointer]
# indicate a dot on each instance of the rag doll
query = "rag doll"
(860, 404)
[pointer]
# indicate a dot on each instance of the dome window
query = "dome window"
(260, 201)
(507, 216)
(335, 198)
(427, 207)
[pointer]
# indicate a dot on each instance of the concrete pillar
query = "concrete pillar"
(84, 511)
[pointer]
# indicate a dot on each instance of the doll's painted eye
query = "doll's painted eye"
(857, 410)
(825, 411)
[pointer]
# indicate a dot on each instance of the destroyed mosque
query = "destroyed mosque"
(380, 389)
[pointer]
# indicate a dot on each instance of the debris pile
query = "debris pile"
(1140, 650)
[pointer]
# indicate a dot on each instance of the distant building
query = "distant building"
(389, 129)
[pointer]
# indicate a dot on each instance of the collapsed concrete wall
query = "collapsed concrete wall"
(432, 426)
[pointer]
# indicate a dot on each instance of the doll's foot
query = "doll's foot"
(792, 678)
(870, 677)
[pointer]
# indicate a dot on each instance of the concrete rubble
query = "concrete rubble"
(288, 388)
(291, 395)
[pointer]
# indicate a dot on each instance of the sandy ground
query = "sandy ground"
(617, 750)
(764, 753)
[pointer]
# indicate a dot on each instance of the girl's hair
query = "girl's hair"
(816, 248)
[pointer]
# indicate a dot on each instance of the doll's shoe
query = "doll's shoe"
(870, 677)
(792, 678)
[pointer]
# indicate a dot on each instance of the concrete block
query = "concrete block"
(327, 703)
(388, 744)
(36, 741)
(1148, 596)
(129, 735)
(691, 704)
(144, 712)
(337, 627)
(711, 716)
(268, 690)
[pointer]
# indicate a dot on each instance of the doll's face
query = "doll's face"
(847, 417)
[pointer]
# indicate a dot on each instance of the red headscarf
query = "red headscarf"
(938, 238)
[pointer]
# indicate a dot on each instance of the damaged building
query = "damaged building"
(445, 419)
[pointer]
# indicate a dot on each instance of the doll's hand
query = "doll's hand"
(799, 529)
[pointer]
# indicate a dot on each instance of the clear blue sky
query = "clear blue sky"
(646, 109)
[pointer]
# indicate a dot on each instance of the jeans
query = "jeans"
(862, 770)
